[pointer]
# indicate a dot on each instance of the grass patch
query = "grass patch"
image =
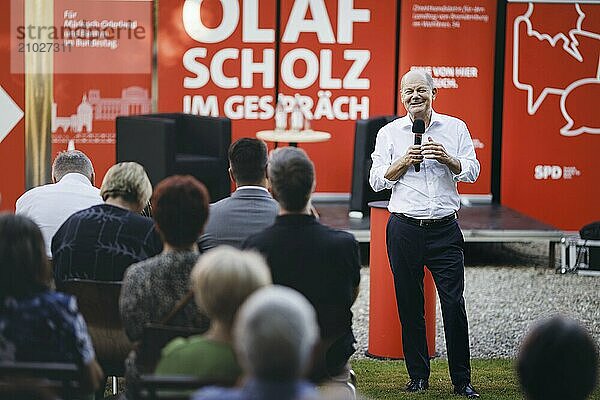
(494, 379)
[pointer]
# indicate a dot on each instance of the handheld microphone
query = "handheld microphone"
(418, 129)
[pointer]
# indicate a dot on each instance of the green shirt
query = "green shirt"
(201, 357)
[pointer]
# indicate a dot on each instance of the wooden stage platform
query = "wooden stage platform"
(490, 223)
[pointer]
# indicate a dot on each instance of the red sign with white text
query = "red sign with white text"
(551, 122)
(12, 122)
(338, 56)
(113, 43)
(217, 58)
(454, 42)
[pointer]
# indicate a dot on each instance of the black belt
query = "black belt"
(426, 222)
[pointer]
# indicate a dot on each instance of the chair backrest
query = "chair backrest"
(62, 379)
(365, 134)
(210, 136)
(154, 338)
(149, 141)
(99, 304)
(198, 134)
(173, 387)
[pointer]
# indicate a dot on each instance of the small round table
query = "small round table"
(293, 137)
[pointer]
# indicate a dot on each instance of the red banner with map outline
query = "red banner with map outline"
(551, 123)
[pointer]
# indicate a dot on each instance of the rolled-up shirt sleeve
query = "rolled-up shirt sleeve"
(466, 155)
(382, 159)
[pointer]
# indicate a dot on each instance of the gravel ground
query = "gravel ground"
(508, 287)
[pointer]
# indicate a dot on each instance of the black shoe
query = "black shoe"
(417, 385)
(466, 390)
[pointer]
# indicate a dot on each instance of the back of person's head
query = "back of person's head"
(224, 277)
(180, 209)
(558, 360)
(24, 268)
(275, 333)
(248, 161)
(292, 177)
(129, 181)
(72, 161)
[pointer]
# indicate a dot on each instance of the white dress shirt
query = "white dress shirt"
(430, 193)
(50, 205)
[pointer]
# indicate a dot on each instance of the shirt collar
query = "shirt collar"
(406, 122)
(296, 219)
(75, 177)
(252, 187)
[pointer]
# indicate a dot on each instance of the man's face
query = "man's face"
(416, 95)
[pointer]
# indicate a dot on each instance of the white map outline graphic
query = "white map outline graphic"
(570, 45)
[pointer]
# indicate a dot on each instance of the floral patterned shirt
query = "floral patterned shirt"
(152, 288)
(46, 327)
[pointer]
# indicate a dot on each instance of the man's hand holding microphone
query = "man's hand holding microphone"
(416, 153)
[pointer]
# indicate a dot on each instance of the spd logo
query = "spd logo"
(548, 172)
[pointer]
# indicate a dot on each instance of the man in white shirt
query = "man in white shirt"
(422, 229)
(72, 190)
(249, 209)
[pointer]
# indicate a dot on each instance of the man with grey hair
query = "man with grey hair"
(320, 262)
(422, 228)
(274, 336)
(72, 189)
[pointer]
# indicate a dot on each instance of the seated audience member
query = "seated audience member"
(72, 189)
(36, 323)
(100, 242)
(249, 209)
(223, 278)
(319, 262)
(274, 336)
(558, 360)
(153, 287)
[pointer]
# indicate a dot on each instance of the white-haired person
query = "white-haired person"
(221, 281)
(274, 336)
(72, 189)
(100, 242)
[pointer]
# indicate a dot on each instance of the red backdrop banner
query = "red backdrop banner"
(113, 43)
(218, 58)
(454, 41)
(338, 56)
(551, 122)
(12, 123)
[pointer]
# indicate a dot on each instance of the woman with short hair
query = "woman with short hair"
(157, 290)
(221, 281)
(274, 334)
(100, 242)
(37, 323)
(152, 288)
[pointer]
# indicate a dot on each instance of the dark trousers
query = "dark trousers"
(440, 248)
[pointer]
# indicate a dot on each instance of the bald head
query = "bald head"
(417, 75)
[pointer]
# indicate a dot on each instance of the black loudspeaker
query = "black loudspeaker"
(177, 143)
(592, 232)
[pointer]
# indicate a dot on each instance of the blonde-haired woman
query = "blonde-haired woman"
(100, 242)
(221, 280)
